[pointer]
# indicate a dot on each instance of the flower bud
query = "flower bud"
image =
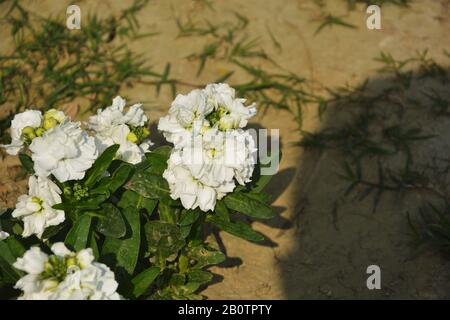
(226, 123)
(50, 123)
(132, 137)
(54, 114)
(145, 132)
(29, 132)
(39, 132)
(71, 262)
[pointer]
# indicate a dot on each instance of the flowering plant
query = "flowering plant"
(110, 216)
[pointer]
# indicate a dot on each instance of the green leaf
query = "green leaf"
(98, 169)
(10, 250)
(16, 248)
(111, 224)
(124, 252)
(261, 180)
(163, 150)
(164, 240)
(199, 276)
(93, 244)
(77, 237)
(133, 199)
(92, 203)
(143, 280)
(119, 177)
(167, 213)
(221, 211)
(238, 228)
(205, 257)
(6, 254)
(191, 287)
(177, 279)
(149, 185)
(11, 274)
(53, 231)
(157, 161)
(26, 162)
(188, 217)
(247, 205)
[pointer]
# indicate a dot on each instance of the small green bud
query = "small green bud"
(67, 191)
(55, 115)
(29, 133)
(71, 262)
(145, 132)
(50, 123)
(132, 137)
(39, 132)
(183, 263)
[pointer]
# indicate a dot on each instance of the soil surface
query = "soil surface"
(321, 244)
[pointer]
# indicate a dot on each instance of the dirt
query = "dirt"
(316, 250)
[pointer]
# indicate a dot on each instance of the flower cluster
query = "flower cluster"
(62, 152)
(65, 275)
(62, 149)
(129, 130)
(211, 150)
(31, 124)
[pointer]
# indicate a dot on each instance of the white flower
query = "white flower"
(65, 275)
(113, 126)
(186, 118)
(35, 209)
(218, 157)
(31, 124)
(108, 118)
(28, 119)
(32, 262)
(128, 151)
(211, 151)
(191, 191)
(66, 151)
(200, 110)
(135, 116)
(232, 113)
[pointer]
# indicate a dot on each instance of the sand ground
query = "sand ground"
(314, 253)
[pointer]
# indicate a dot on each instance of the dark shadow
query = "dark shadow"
(156, 136)
(378, 155)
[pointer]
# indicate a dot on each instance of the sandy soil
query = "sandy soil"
(313, 253)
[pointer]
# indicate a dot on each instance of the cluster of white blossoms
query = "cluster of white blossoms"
(31, 124)
(211, 150)
(60, 148)
(128, 130)
(65, 151)
(65, 275)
